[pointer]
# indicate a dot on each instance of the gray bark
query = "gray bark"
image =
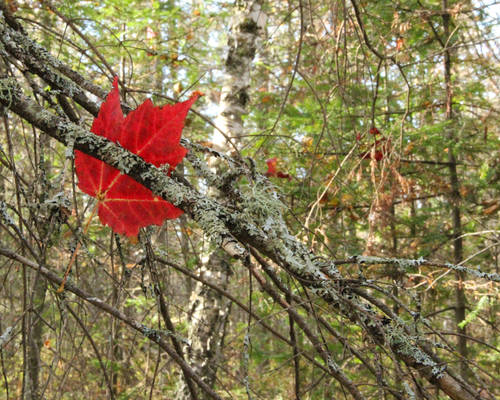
(35, 287)
(35, 340)
(207, 319)
(209, 310)
(246, 30)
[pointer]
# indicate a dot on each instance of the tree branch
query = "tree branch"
(259, 225)
(151, 334)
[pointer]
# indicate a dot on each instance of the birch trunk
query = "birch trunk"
(246, 27)
(209, 310)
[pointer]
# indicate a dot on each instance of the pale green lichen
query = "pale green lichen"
(264, 208)
(42, 58)
(408, 264)
(70, 145)
(6, 335)
(54, 204)
(259, 213)
(476, 272)
(164, 168)
(150, 333)
(2, 47)
(165, 187)
(204, 170)
(7, 86)
(332, 365)
(205, 211)
(202, 149)
(409, 391)
(209, 221)
(180, 338)
(125, 161)
(262, 216)
(4, 215)
(402, 263)
(404, 345)
(69, 132)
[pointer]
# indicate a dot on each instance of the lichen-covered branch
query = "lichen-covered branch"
(254, 219)
(205, 211)
(39, 61)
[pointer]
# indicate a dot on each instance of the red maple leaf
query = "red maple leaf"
(271, 166)
(378, 150)
(272, 171)
(152, 133)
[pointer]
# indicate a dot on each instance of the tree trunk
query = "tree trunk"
(38, 290)
(209, 310)
(248, 23)
(455, 198)
(207, 319)
(35, 340)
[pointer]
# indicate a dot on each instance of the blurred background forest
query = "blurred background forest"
(377, 123)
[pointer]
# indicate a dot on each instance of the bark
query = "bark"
(244, 40)
(209, 310)
(207, 320)
(36, 287)
(35, 339)
(454, 199)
